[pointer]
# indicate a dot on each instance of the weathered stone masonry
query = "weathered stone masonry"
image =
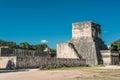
(85, 47)
(34, 59)
(86, 43)
(36, 62)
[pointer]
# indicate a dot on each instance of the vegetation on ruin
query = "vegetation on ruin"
(24, 45)
(115, 46)
(62, 66)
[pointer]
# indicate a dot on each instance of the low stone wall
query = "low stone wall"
(5, 62)
(21, 53)
(36, 62)
(110, 58)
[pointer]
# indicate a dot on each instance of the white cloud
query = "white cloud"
(44, 41)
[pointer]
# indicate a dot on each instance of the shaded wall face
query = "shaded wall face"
(96, 31)
(115, 58)
(21, 52)
(7, 52)
(87, 49)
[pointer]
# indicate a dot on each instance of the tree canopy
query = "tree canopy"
(6, 43)
(115, 46)
(24, 45)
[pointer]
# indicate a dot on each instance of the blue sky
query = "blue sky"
(35, 20)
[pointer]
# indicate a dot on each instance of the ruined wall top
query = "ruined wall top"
(85, 29)
(84, 24)
(4, 46)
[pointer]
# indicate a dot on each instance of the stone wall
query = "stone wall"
(66, 50)
(5, 61)
(82, 48)
(87, 49)
(86, 43)
(110, 58)
(81, 29)
(7, 52)
(21, 53)
(106, 55)
(36, 62)
(85, 29)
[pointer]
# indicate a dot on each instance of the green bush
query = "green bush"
(54, 66)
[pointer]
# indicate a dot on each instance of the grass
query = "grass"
(3, 69)
(68, 68)
(50, 67)
(100, 74)
(93, 73)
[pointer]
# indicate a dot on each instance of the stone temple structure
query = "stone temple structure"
(86, 43)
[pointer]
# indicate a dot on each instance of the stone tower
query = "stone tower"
(85, 29)
(86, 43)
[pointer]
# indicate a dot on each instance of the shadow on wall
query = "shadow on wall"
(10, 65)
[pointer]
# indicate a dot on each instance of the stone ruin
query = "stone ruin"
(19, 58)
(85, 47)
(86, 43)
(6, 51)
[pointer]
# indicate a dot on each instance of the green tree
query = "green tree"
(43, 46)
(115, 46)
(24, 45)
(53, 50)
(40, 47)
(6, 43)
(32, 47)
(11, 44)
(2, 43)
